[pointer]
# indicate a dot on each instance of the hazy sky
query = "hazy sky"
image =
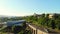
(28, 7)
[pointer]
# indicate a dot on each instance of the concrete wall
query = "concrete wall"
(34, 30)
(41, 32)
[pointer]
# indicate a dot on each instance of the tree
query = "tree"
(53, 24)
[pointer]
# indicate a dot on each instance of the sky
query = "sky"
(28, 7)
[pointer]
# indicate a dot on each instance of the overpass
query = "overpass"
(39, 30)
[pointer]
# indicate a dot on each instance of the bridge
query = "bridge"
(40, 30)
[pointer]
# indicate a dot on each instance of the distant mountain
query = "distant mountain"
(3, 16)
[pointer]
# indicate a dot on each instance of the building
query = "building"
(51, 15)
(3, 24)
(16, 23)
(37, 15)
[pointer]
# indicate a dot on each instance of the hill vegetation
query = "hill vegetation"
(45, 21)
